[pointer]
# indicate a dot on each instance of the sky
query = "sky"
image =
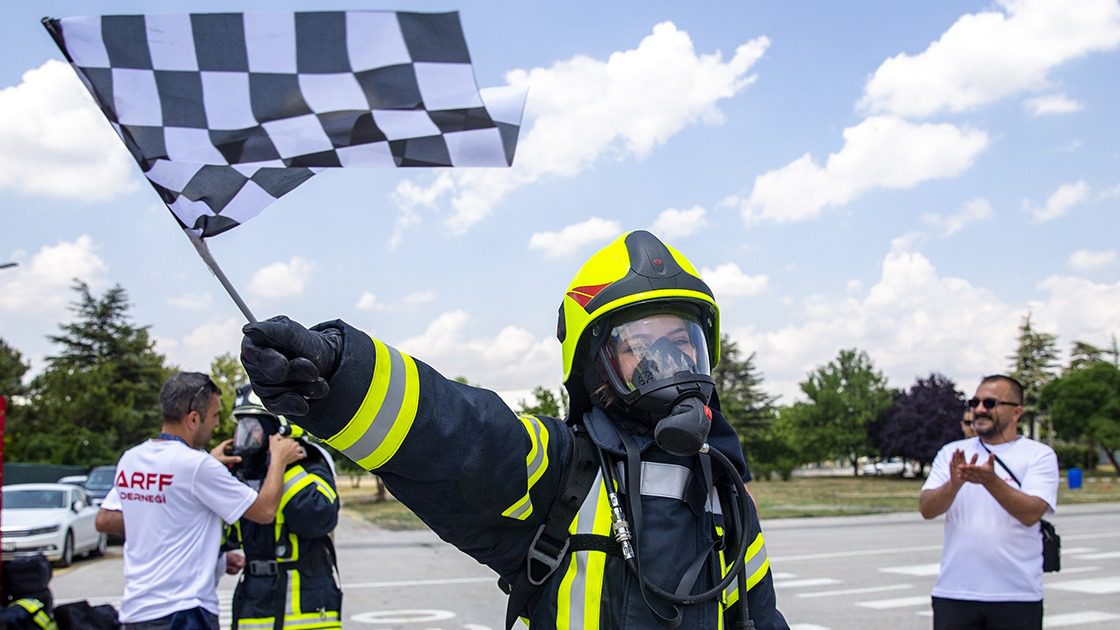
(909, 179)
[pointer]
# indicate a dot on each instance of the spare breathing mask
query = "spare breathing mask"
(657, 363)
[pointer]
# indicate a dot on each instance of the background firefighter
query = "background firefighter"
(289, 580)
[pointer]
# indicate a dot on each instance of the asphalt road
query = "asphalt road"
(830, 573)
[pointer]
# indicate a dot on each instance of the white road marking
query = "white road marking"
(898, 602)
(807, 626)
(782, 575)
(915, 569)
(1096, 586)
(1076, 550)
(805, 582)
(402, 616)
(474, 580)
(1077, 618)
(854, 591)
(1105, 555)
(1064, 571)
(850, 554)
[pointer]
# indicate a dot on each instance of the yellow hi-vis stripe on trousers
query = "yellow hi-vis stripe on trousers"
(386, 414)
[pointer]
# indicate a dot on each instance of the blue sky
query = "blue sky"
(907, 178)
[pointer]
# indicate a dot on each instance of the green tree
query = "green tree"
(12, 369)
(747, 407)
(545, 403)
(227, 372)
(1034, 364)
(845, 398)
(1085, 404)
(99, 394)
(775, 449)
(1083, 354)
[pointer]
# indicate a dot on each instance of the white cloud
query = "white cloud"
(282, 279)
(975, 209)
(1060, 202)
(727, 280)
(41, 286)
(1053, 104)
(673, 224)
(1087, 260)
(370, 302)
(879, 152)
(911, 322)
(191, 301)
(987, 56)
(513, 357)
(55, 142)
(197, 349)
(574, 237)
(583, 109)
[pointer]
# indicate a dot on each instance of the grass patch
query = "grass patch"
(799, 497)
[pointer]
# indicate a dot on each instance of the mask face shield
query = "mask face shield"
(251, 434)
(648, 348)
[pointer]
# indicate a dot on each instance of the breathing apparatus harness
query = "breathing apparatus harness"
(682, 430)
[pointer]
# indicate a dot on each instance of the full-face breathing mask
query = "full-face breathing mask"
(656, 361)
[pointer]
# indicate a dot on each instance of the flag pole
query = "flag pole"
(204, 252)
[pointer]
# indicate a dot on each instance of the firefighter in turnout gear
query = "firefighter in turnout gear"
(289, 580)
(630, 513)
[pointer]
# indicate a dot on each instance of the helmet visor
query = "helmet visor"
(250, 435)
(651, 346)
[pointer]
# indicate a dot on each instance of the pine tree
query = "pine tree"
(99, 394)
(1034, 364)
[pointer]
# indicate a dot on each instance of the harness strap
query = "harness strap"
(634, 499)
(553, 542)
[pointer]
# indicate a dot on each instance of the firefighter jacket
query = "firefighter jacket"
(289, 576)
(484, 479)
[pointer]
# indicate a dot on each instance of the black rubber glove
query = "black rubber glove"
(289, 364)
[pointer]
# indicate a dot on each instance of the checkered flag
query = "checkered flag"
(227, 112)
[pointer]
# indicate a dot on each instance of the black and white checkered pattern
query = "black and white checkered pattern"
(227, 112)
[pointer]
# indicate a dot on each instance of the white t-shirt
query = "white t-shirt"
(988, 555)
(174, 499)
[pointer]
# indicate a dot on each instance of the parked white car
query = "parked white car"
(53, 519)
(893, 466)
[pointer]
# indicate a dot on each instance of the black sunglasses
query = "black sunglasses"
(990, 403)
(201, 406)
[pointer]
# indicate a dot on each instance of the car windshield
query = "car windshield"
(34, 499)
(100, 479)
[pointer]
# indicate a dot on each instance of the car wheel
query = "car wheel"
(67, 557)
(102, 545)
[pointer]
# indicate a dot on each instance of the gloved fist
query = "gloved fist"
(289, 364)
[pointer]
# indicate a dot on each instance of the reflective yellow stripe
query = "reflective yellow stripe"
(536, 462)
(376, 431)
(579, 599)
(757, 563)
(293, 594)
(38, 614)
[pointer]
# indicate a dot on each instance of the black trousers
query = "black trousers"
(959, 614)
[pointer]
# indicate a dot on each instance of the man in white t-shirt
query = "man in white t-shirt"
(173, 497)
(991, 561)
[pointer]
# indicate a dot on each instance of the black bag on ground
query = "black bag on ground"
(1051, 547)
(81, 615)
(27, 577)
